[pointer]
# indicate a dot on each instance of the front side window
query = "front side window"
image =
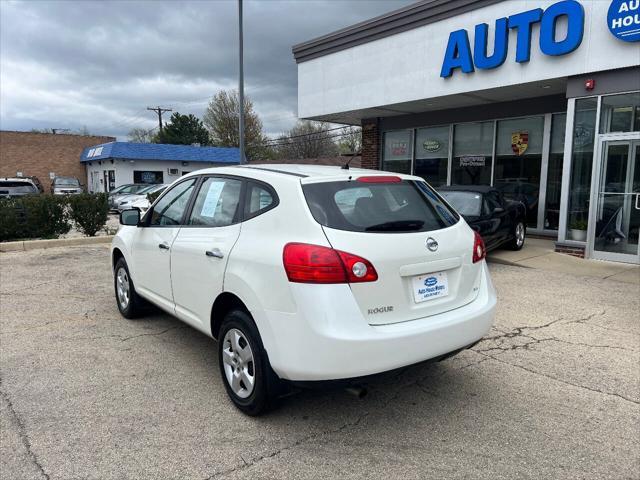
(217, 203)
(403, 206)
(170, 208)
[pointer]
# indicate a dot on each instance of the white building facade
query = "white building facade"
(118, 163)
(540, 99)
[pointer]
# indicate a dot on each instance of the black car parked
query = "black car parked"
(499, 221)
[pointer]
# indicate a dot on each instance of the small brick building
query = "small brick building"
(44, 154)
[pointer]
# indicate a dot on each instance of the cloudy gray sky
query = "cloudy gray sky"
(99, 64)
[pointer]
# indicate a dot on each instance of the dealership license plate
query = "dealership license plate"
(430, 286)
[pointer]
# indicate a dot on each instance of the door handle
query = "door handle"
(163, 246)
(638, 201)
(214, 252)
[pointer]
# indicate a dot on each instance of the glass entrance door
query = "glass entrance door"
(614, 231)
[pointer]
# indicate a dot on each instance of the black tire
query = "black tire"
(267, 385)
(135, 305)
(519, 234)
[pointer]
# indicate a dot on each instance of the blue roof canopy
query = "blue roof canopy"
(160, 151)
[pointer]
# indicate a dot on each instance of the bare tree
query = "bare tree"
(221, 119)
(350, 140)
(306, 140)
(141, 135)
(82, 131)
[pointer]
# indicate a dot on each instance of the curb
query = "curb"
(25, 245)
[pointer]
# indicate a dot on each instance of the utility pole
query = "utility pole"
(159, 111)
(241, 85)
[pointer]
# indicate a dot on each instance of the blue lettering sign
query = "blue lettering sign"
(575, 27)
(523, 22)
(499, 54)
(458, 53)
(623, 19)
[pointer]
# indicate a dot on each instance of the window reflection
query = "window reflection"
(518, 162)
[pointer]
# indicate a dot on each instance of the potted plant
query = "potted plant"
(578, 230)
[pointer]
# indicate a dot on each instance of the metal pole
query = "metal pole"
(241, 86)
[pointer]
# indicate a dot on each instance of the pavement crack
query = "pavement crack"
(524, 333)
(130, 337)
(551, 377)
(275, 453)
(22, 432)
(28, 287)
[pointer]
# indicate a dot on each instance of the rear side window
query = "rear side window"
(405, 206)
(259, 200)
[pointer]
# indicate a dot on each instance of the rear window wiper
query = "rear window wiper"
(398, 225)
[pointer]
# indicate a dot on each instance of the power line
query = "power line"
(310, 134)
(159, 111)
(266, 144)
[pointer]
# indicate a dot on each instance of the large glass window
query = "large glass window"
(146, 176)
(518, 162)
(472, 153)
(620, 113)
(554, 172)
(584, 127)
(397, 152)
(432, 154)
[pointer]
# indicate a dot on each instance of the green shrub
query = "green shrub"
(33, 216)
(89, 212)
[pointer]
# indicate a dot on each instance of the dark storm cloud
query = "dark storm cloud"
(99, 64)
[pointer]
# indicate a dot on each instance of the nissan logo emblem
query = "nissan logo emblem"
(432, 245)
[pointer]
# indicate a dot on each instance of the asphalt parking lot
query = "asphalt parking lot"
(552, 392)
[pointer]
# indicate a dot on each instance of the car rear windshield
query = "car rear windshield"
(466, 203)
(405, 206)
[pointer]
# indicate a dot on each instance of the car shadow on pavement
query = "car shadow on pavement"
(198, 355)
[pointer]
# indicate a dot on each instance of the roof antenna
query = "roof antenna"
(346, 165)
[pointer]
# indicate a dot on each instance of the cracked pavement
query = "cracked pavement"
(553, 391)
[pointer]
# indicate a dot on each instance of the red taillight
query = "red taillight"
(358, 269)
(305, 263)
(479, 251)
(379, 179)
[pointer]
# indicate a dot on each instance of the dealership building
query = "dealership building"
(112, 164)
(539, 99)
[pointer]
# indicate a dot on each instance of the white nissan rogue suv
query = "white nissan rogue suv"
(306, 273)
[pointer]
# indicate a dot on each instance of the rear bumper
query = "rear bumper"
(328, 338)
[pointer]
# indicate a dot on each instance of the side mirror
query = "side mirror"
(130, 217)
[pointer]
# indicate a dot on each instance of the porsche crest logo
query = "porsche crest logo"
(519, 142)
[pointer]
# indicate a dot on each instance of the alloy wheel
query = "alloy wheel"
(123, 288)
(520, 234)
(239, 365)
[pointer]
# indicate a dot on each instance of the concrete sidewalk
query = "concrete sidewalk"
(539, 253)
